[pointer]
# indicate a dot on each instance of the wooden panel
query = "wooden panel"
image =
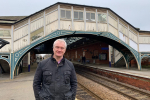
(65, 25)
(7, 47)
(102, 27)
(5, 33)
(51, 9)
(20, 43)
(133, 30)
(133, 36)
(36, 34)
(5, 27)
(20, 23)
(79, 26)
(123, 23)
(51, 27)
(102, 10)
(20, 32)
(112, 14)
(144, 47)
(78, 8)
(123, 37)
(51, 17)
(133, 44)
(144, 33)
(38, 15)
(90, 26)
(123, 30)
(65, 6)
(113, 22)
(144, 39)
(37, 24)
(90, 9)
(113, 31)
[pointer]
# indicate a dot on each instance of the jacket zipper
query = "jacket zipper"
(55, 78)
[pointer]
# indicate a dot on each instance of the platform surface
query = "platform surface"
(145, 73)
(20, 88)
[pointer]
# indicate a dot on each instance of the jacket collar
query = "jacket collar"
(54, 60)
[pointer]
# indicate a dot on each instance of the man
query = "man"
(55, 77)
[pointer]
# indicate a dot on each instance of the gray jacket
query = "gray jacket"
(53, 81)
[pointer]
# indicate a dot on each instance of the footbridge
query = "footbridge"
(63, 20)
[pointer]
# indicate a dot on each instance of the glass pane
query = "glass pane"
(62, 13)
(36, 34)
(80, 15)
(68, 14)
(75, 15)
(5, 33)
(87, 16)
(93, 16)
(102, 18)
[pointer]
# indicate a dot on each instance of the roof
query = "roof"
(144, 31)
(13, 18)
(75, 5)
(10, 19)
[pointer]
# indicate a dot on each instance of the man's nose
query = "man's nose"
(59, 49)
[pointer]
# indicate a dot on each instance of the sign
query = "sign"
(103, 56)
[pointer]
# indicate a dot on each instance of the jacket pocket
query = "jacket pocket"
(44, 96)
(68, 96)
(47, 76)
(67, 75)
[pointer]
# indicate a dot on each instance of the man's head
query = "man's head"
(59, 47)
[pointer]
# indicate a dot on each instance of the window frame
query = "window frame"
(78, 15)
(91, 20)
(3, 29)
(98, 19)
(65, 14)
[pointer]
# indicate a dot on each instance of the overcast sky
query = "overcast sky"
(136, 12)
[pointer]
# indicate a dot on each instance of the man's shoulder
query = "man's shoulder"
(45, 61)
(69, 63)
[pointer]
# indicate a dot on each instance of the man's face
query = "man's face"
(59, 49)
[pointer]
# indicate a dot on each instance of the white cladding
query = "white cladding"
(96, 22)
(123, 37)
(133, 44)
(144, 47)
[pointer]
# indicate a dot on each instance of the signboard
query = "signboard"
(103, 56)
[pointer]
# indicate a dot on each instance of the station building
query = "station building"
(97, 33)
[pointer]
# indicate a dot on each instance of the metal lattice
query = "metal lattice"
(71, 40)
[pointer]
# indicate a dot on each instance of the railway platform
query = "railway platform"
(131, 76)
(145, 73)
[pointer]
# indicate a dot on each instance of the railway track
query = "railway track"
(127, 90)
(84, 94)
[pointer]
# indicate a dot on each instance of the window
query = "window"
(102, 18)
(78, 15)
(4, 33)
(66, 14)
(36, 34)
(90, 16)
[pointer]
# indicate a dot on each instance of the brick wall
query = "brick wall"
(140, 82)
(90, 50)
